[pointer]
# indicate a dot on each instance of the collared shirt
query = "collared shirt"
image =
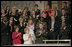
(52, 24)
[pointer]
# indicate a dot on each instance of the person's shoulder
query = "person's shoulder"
(19, 32)
(44, 28)
(38, 9)
(24, 34)
(28, 10)
(32, 24)
(13, 32)
(38, 28)
(45, 10)
(1, 22)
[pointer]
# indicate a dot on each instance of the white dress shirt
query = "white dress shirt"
(52, 24)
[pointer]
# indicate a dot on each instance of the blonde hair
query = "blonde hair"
(30, 21)
(26, 29)
(20, 19)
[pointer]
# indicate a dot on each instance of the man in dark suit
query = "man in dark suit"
(37, 11)
(15, 16)
(64, 29)
(41, 34)
(53, 28)
(67, 18)
(64, 33)
(27, 11)
(5, 36)
(65, 5)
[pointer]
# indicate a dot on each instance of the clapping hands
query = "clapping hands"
(29, 35)
(18, 34)
(51, 29)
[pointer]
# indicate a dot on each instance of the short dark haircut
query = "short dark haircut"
(65, 9)
(62, 9)
(36, 5)
(26, 8)
(65, 2)
(11, 16)
(7, 6)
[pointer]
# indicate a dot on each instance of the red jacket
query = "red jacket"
(48, 12)
(16, 40)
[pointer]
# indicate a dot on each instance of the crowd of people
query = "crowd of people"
(32, 27)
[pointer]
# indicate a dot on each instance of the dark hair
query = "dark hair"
(62, 9)
(5, 18)
(7, 6)
(65, 2)
(26, 8)
(11, 16)
(36, 5)
(15, 27)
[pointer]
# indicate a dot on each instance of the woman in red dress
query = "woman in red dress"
(16, 36)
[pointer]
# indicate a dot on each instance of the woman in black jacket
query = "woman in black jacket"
(41, 34)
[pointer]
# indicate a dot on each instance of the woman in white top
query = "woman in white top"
(30, 25)
(27, 37)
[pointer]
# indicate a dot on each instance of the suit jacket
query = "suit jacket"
(42, 35)
(15, 18)
(21, 29)
(40, 38)
(28, 13)
(47, 17)
(5, 37)
(56, 26)
(16, 40)
(64, 34)
(67, 20)
(67, 31)
(7, 14)
(37, 12)
(9, 27)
